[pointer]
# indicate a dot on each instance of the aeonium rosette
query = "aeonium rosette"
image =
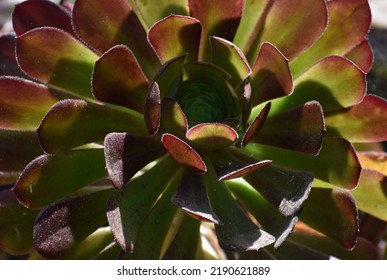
(235, 117)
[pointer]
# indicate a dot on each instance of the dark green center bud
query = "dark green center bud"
(205, 100)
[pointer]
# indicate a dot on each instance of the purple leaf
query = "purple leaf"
(63, 225)
(126, 154)
(128, 208)
(285, 189)
(24, 103)
(183, 153)
(363, 122)
(53, 56)
(218, 18)
(332, 212)
(175, 35)
(348, 23)
(152, 110)
(119, 79)
(230, 164)
(299, 129)
(191, 196)
(48, 178)
(271, 76)
(71, 123)
(230, 58)
(115, 22)
(238, 232)
(256, 125)
(211, 136)
(29, 15)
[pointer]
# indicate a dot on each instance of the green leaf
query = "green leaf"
(51, 177)
(238, 232)
(332, 212)
(173, 119)
(62, 226)
(151, 11)
(348, 23)
(126, 154)
(128, 208)
(218, 18)
(119, 79)
(93, 246)
(34, 14)
(337, 162)
(230, 58)
(374, 160)
(271, 76)
(17, 149)
(211, 136)
(268, 217)
(290, 28)
(251, 22)
(183, 153)
(371, 193)
(186, 242)
(364, 249)
(362, 56)
(16, 225)
(71, 123)
(52, 56)
(285, 189)
(362, 123)
(115, 22)
(191, 196)
(299, 129)
(24, 103)
(175, 35)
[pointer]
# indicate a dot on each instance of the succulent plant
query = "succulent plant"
(147, 129)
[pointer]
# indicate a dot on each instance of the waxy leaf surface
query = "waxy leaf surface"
(229, 57)
(48, 178)
(127, 209)
(211, 136)
(218, 18)
(24, 103)
(299, 129)
(63, 225)
(237, 232)
(119, 79)
(126, 154)
(271, 76)
(115, 22)
(71, 123)
(175, 35)
(271, 220)
(183, 153)
(332, 212)
(364, 122)
(293, 25)
(348, 23)
(285, 189)
(52, 56)
(34, 14)
(191, 196)
(336, 163)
